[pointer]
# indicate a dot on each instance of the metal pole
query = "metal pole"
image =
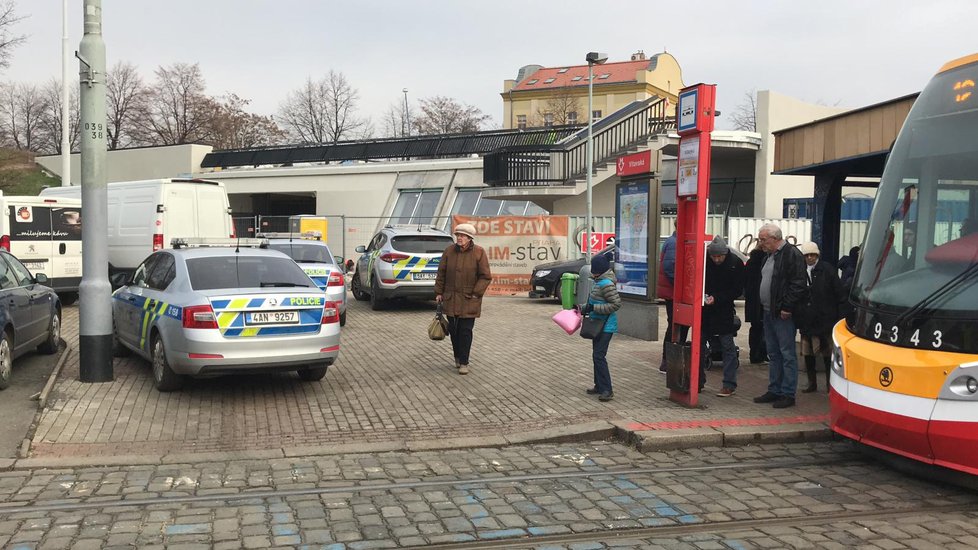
(65, 100)
(590, 154)
(407, 117)
(95, 307)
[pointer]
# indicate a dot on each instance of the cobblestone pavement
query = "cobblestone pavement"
(771, 496)
(393, 384)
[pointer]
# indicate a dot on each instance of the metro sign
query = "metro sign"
(637, 163)
(598, 240)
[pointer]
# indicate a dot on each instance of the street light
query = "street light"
(406, 120)
(592, 58)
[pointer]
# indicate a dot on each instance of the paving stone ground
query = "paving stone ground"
(392, 384)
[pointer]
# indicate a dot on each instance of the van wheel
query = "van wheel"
(68, 298)
(6, 361)
(357, 290)
(163, 375)
(312, 374)
(376, 302)
(54, 335)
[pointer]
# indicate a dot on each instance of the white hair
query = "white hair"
(772, 230)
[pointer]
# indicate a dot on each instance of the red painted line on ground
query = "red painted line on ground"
(775, 421)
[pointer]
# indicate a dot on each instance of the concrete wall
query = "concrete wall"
(777, 112)
(141, 163)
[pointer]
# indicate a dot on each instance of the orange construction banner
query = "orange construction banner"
(516, 244)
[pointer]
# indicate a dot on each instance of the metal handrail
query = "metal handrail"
(563, 164)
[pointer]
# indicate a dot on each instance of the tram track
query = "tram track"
(68, 505)
(730, 526)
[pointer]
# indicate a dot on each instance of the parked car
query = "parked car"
(399, 262)
(30, 315)
(315, 258)
(212, 310)
(545, 279)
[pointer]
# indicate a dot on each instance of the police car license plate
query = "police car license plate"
(272, 318)
(425, 276)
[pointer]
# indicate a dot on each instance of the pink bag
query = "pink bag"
(568, 319)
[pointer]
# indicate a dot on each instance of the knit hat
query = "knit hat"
(465, 229)
(718, 247)
(808, 248)
(600, 264)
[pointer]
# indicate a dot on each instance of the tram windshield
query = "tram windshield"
(921, 249)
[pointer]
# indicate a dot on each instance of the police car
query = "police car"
(210, 307)
(399, 262)
(314, 257)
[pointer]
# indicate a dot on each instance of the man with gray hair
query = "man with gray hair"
(783, 288)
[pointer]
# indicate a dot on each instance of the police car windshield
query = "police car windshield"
(244, 272)
(421, 244)
(304, 252)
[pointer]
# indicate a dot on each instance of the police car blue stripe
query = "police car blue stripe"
(413, 262)
(293, 329)
(221, 304)
(233, 332)
(256, 302)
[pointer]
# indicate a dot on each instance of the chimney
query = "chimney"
(639, 56)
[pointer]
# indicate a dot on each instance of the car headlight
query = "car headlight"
(837, 364)
(543, 273)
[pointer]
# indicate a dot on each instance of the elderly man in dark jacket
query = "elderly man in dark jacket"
(783, 288)
(724, 282)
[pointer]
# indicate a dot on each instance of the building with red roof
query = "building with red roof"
(546, 96)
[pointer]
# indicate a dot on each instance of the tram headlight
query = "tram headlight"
(837, 365)
(972, 385)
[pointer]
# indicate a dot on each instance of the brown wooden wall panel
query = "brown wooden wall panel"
(876, 130)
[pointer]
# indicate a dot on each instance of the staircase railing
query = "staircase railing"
(566, 162)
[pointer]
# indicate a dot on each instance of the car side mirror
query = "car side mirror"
(119, 280)
(339, 260)
(360, 249)
(40, 278)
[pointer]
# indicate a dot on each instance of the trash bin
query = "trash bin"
(568, 289)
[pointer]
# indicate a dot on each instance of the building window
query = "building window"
(548, 119)
(470, 202)
(549, 80)
(521, 122)
(572, 117)
(562, 71)
(534, 81)
(604, 76)
(415, 206)
(595, 115)
(576, 78)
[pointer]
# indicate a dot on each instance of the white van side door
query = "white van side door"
(66, 244)
(30, 236)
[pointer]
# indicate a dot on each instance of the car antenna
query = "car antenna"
(237, 246)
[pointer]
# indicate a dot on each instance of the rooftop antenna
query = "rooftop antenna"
(237, 246)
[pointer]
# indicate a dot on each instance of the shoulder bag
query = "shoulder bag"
(591, 328)
(438, 327)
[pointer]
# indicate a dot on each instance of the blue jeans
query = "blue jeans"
(730, 360)
(779, 335)
(599, 354)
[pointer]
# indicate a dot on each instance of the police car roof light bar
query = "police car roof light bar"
(204, 242)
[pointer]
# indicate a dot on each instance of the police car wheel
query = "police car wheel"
(376, 302)
(312, 374)
(163, 375)
(357, 290)
(50, 345)
(343, 319)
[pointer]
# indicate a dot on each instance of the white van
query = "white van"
(44, 233)
(144, 216)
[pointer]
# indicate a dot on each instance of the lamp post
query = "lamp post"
(406, 121)
(592, 58)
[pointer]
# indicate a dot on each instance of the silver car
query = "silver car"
(219, 310)
(399, 262)
(315, 258)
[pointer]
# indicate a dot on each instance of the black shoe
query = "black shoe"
(810, 389)
(784, 403)
(591, 391)
(767, 398)
(606, 396)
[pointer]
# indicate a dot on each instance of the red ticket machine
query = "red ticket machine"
(695, 114)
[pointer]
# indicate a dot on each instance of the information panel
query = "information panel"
(632, 203)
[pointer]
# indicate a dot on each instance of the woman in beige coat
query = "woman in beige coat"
(463, 277)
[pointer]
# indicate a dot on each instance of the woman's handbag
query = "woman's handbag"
(568, 319)
(439, 325)
(591, 328)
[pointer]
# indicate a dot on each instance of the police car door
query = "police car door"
(17, 303)
(154, 308)
(129, 303)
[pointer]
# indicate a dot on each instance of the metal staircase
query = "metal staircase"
(565, 162)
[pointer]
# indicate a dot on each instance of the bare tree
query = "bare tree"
(395, 123)
(22, 109)
(126, 104)
(324, 111)
(745, 114)
(51, 117)
(563, 108)
(232, 127)
(444, 115)
(178, 111)
(8, 39)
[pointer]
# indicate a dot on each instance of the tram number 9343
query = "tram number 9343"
(892, 335)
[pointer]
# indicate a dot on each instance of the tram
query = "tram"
(905, 361)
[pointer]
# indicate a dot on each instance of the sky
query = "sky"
(846, 53)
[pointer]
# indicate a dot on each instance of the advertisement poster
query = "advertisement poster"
(688, 169)
(632, 208)
(515, 245)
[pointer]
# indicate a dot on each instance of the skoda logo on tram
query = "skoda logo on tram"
(886, 376)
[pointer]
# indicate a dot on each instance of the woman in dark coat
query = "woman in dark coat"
(823, 309)
(753, 311)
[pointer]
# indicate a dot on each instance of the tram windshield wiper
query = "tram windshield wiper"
(941, 294)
